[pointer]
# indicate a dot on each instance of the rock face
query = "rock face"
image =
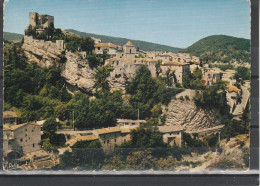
(77, 73)
(43, 52)
(186, 113)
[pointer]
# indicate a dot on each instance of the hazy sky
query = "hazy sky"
(177, 23)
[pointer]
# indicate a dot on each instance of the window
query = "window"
(130, 51)
(104, 142)
(29, 138)
(107, 141)
(26, 130)
(21, 140)
(115, 140)
(25, 135)
(33, 145)
(98, 48)
(124, 140)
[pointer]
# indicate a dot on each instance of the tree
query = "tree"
(94, 60)
(101, 74)
(169, 79)
(158, 67)
(245, 119)
(145, 138)
(197, 73)
(86, 155)
(49, 128)
(87, 44)
(139, 160)
(243, 73)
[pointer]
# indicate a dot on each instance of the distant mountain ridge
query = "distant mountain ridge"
(221, 48)
(9, 36)
(143, 45)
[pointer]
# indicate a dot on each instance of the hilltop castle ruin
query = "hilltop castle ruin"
(40, 21)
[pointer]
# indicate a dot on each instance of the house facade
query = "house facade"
(23, 137)
(110, 48)
(172, 135)
(129, 123)
(179, 69)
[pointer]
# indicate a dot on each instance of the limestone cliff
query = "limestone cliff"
(77, 73)
(76, 70)
(45, 53)
(185, 112)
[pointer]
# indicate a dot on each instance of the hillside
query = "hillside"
(143, 45)
(12, 36)
(221, 47)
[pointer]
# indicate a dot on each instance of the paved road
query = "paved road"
(71, 132)
(207, 130)
(245, 96)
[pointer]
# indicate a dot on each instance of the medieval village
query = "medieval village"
(77, 102)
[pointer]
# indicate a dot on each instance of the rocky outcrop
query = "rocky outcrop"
(45, 53)
(77, 72)
(185, 112)
(235, 154)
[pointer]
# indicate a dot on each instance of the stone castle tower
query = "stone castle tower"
(40, 21)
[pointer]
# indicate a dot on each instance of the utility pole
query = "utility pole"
(138, 117)
(73, 120)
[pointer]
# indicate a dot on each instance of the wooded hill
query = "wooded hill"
(221, 48)
(12, 36)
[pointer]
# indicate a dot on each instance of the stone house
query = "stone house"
(164, 57)
(195, 59)
(112, 137)
(182, 57)
(152, 54)
(210, 77)
(23, 137)
(172, 135)
(233, 96)
(127, 67)
(108, 137)
(129, 123)
(179, 69)
(10, 118)
(96, 40)
(123, 67)
(110, 48)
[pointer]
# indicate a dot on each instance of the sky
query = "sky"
(177, 23)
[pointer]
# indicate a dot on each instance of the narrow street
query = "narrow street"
(245, 96)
